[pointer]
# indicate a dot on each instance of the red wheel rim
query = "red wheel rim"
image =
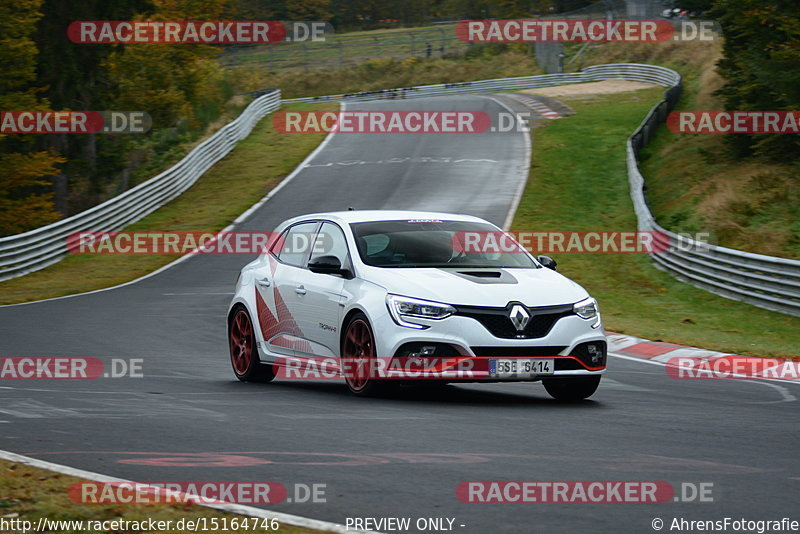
(359, 350)
(241, 340)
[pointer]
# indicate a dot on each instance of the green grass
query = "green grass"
(694, 184)
(28, 493)
(234, 184)
(383, 73)
(578, 181)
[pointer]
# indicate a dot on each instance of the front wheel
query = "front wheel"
(573, 388)
(359, 359)
(244, 354)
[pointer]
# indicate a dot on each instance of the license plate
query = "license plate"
(520, 367)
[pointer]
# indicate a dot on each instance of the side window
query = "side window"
(294, 245)
(330, 242)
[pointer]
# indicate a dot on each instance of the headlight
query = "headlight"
(402, 308)
(587, 309)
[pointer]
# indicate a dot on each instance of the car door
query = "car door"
(279, 288)
(324, 296)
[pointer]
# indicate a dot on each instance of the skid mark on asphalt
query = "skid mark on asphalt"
(33, 409)
(347, 415)
(408, 159)
(108, 408)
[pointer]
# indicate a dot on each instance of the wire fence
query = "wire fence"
(345, 50)
(338, 51)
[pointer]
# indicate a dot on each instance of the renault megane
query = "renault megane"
(378, 298)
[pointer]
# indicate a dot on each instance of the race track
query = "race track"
(188, 419)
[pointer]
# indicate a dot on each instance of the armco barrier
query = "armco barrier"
(627, 71)
(765, 281)
(30, 251)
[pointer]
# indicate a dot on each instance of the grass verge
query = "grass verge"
(234, 184)
(496, 60)
(694, 183)
(578, 181)
(28, 494)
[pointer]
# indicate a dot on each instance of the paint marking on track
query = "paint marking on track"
(239, 509)
(524, 169)
(786, 396)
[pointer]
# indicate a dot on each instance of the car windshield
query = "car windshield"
(438, 243)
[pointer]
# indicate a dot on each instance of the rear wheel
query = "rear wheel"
(572, 388)
(360, 362)
(244, 354)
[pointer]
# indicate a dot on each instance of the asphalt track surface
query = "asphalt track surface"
(188, 419)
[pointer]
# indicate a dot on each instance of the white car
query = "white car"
(380, 298)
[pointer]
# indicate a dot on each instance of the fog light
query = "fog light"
(595, 353)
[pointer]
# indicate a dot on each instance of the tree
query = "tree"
(25, 202)
(169, 81)
(308, 9)
(26, 197)
(761, 67)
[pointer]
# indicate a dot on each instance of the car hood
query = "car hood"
(479, 287)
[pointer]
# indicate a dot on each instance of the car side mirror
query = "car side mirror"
(548, 262)
(327, 265)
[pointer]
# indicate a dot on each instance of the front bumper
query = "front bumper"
(463, 349)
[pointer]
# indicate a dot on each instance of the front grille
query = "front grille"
(516, 352)
(440, 350)
(498, 322)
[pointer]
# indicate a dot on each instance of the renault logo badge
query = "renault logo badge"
(519, 317)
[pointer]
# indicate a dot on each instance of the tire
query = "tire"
(571, 389)
(243, 350)
(358, 346)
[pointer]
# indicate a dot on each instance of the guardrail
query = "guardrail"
(30, 251)
(628, 71)
(765, 281)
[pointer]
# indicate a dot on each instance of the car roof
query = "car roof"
(356, 216)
